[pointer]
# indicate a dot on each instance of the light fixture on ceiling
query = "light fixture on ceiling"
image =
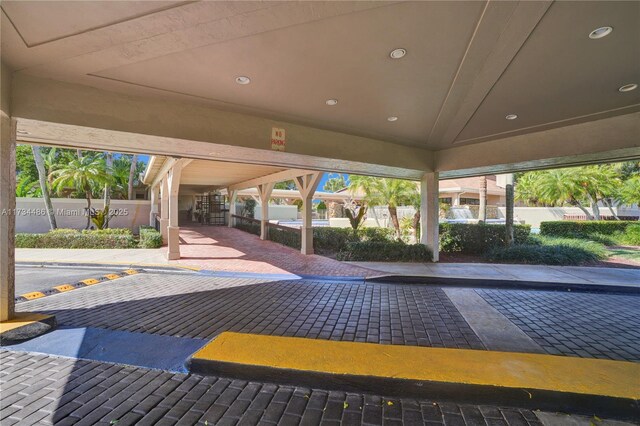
(392, 118)
(628, 87)
(242, 79)
(600, 32)
(331, 102)
(398, 53)
(511, 116)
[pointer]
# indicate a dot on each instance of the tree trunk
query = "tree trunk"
(42, 178)
(88, 195)
(581, 207)
(393, 213)
(107, 188)
(79, 152)
(482, 211)
(594, 207)
(416, 226)
(607, 202)
(132, 171)
(509, 218)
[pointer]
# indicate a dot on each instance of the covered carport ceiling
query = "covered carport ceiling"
(221, 174)
(468, 65)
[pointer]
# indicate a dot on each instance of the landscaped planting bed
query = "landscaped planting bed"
(91, 239)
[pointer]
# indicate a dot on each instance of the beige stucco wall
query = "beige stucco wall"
(31, 217)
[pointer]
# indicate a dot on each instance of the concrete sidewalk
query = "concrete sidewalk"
(538, 273)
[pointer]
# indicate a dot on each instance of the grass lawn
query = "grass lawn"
(630, 253)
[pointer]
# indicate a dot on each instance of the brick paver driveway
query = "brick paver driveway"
(220, 248)
(40, 389)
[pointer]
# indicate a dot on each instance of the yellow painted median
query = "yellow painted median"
(503, 369)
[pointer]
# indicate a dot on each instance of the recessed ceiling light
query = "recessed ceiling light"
(243, 79)
(600, 32)
(331, 102)
(397, 53)
(392, 118)
(628, 87)
(511, 116)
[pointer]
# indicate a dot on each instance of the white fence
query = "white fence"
(31, 215)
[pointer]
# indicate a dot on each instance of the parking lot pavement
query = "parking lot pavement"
(39, 389)
(38, 278)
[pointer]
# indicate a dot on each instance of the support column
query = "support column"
(307, 186)
(164, 210)
(264, 191)
(154, 205)
(429, 213)
(173, 230)
(233, 199)
(7, 217)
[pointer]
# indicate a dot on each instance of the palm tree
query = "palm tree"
(108, 159)
(42, 178)
(132, 172)
(482, 211)
(335, 183)
(385, 191)
(82, 174)
(561, 186)
(630, 191)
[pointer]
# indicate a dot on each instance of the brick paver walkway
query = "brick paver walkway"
(38, 389)
(220, 248)
(575, 324)
(202, 307)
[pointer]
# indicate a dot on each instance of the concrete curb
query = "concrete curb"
(144, 266)
(505, 284)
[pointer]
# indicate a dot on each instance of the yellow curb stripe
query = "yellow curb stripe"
(64, 287)
(21, 318)
(112, 276)
(90, 281)
(130, 272)
(33, 295)
(504, 369)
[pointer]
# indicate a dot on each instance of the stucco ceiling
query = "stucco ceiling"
(468, 65)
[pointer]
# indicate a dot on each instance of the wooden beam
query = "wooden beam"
(272, 178)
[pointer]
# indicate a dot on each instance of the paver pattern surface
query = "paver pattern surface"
(220, 248)
(43, 390)
(586, 325)
(202, 307)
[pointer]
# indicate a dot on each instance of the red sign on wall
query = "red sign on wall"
(277, 139)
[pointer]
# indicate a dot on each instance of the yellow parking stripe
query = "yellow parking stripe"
(503, 369)
(90, 281)
(64, 287)
(130, 272)
(33, 295)
(112, 276)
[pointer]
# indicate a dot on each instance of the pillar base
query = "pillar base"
(173, 253)
(25, 326)
(306, 246)
(164, 224)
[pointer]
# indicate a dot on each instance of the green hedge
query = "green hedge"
(149, 237)
(377, 234)
(471, 238)
(388, 251)
(331, 240)
(584, 228)
(632, 235)
(550, 251)
(250, 227)
(110, 231)
(75, 239)
(285, 237)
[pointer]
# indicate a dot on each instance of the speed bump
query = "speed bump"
(559, 383)
(63, 288)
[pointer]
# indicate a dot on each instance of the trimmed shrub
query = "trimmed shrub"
(331, 240)
(388, 251)
(64, 231)
(472, 238)
(549, 251)
(632, 235)
(250, 227)
(75, 240)
(584, 228)
(377, 234)
(285, 237)
(149, 237)
(109, 231)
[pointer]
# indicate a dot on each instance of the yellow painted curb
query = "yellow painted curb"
(503, 369)
(64, 287)
(130, 272)
(90, 281)
(112, 276)
(20, 320)
(33, 295)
